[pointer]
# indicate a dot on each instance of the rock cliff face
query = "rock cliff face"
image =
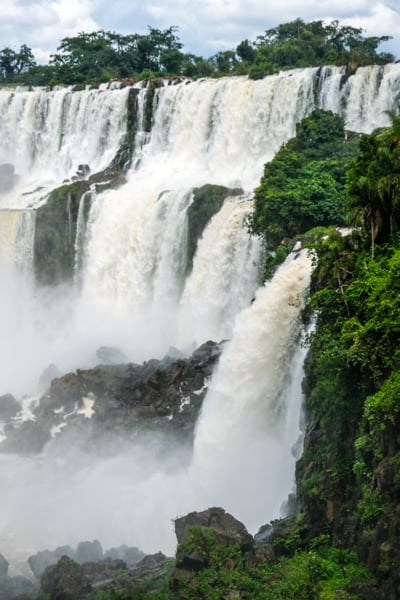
(119, 401)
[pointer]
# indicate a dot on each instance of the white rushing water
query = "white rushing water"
(133, 289)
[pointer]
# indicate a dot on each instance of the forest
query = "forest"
(101, 56)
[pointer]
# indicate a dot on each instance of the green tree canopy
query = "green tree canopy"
(373, 184)
(304, 185)
(13, 63)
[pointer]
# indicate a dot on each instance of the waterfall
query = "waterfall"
(134, 289)
(45, 135)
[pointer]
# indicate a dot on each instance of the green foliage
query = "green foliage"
(14, 63)
(299, 44)
(373, 184)
(304, 185)
(92, 58)
(325, 573)
(55, 230)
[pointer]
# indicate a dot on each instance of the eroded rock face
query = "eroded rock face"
(121, 400)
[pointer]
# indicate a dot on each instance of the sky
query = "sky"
(205, 26)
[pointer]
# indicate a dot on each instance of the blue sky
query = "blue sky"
(205, 26)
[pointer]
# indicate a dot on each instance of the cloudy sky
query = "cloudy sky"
(205, 26)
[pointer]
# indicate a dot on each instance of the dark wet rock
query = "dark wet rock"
(9, 407)
(108, 355)
(128, 399)
(41, 560)
(83, 171)
(65, 581)
(130, 555)
(89, 552)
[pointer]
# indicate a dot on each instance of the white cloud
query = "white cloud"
(204, 27)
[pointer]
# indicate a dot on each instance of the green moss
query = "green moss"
(55, 232)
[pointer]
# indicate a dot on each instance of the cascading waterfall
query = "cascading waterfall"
(136, 291)
(46, 135)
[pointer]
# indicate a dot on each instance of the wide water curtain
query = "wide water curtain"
(124, 224)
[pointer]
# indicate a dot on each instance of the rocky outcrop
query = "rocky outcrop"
(65, 581)
(68, 580)
(121, 400)
(86, 552)
(198, 533)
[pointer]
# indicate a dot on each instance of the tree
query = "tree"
(304, 185)
(13, 63)
(373, 184)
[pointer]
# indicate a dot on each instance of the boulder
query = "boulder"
(198, 534)
(65, 581)
(226, 528)
(83, 171)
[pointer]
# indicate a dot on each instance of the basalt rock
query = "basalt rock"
(126, 399)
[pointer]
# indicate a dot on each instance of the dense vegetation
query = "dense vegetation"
(100, 56)
(303, 187)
